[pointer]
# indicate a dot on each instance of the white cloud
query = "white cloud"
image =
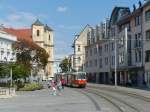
(20, 19)
(70, 27)
(62, 9)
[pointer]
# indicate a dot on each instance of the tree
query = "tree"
(4, 71)
(25, 59)
(20, 71)
(65, 65)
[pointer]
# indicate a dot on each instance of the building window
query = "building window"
(91, 64)
(95, 50)
(49, 37)
(147, 15)
(128, 27)
(79, 60)
(112, 46)
(87, 64)
(137, 20)
(106, 60)
(140, 56)
(147, 56)
(121, 58)
(95, 63)
(148, 35)
(112, 60)
(136, 56)
(38, 32)
(90, 52)
(106, 47)
(100, 63)
(87, 53)
(79, 49)
(100, 50)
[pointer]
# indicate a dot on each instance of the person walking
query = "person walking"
(59, 87)
(53, 87)
(63, 83)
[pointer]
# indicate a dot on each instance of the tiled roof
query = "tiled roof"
(23, 35)
(20, 33)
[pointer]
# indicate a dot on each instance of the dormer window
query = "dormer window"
(38, 33)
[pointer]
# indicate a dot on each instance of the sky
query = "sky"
(66, 17)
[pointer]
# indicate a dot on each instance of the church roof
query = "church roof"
(48, 28)
(38, 23)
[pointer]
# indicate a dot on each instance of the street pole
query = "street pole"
(11, 83)
(115, 62)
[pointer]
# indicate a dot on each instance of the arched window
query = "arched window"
(38, 32)
(49, 37)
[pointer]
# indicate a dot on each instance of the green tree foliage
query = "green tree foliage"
(25, 51)
(23, 65)
(41, 57)
(65, 65)
(4, 71)
(20, 71)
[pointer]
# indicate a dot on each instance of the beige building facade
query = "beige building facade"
(43, 36)
(79, 49)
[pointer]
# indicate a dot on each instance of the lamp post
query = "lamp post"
(11, 76)
(115, 62)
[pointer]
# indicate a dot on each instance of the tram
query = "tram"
(75, 79)
(72, 79)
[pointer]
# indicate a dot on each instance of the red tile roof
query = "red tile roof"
(23, 35)
(20, 33)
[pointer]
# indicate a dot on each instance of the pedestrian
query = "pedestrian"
(53, 87)
(59, 87)
(63, 83)
(48, 84)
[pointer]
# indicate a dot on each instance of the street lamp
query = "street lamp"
(115, 62)
(11, 77)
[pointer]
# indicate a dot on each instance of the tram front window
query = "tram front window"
(81, 76)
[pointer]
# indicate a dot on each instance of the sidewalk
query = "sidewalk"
(141, 92)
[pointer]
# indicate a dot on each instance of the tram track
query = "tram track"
(121, 105)
(114, 90)
(97, 107)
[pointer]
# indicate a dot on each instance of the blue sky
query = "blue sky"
(66, 17)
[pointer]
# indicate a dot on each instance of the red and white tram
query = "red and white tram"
(75, 79)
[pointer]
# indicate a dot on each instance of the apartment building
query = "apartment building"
(146, 41)
(97, 53)
(7, 54)
(79, 44)
(127, 39)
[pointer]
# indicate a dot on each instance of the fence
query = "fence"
(7, 92)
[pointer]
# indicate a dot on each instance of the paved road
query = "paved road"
(42, 101)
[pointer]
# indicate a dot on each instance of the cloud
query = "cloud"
(20, 19)
(62, 9)
(70, 27)
(61, 49)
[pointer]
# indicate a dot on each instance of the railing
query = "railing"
(7, 92)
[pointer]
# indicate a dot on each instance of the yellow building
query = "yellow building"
(43, 36)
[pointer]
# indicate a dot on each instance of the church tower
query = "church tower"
(43, 36)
